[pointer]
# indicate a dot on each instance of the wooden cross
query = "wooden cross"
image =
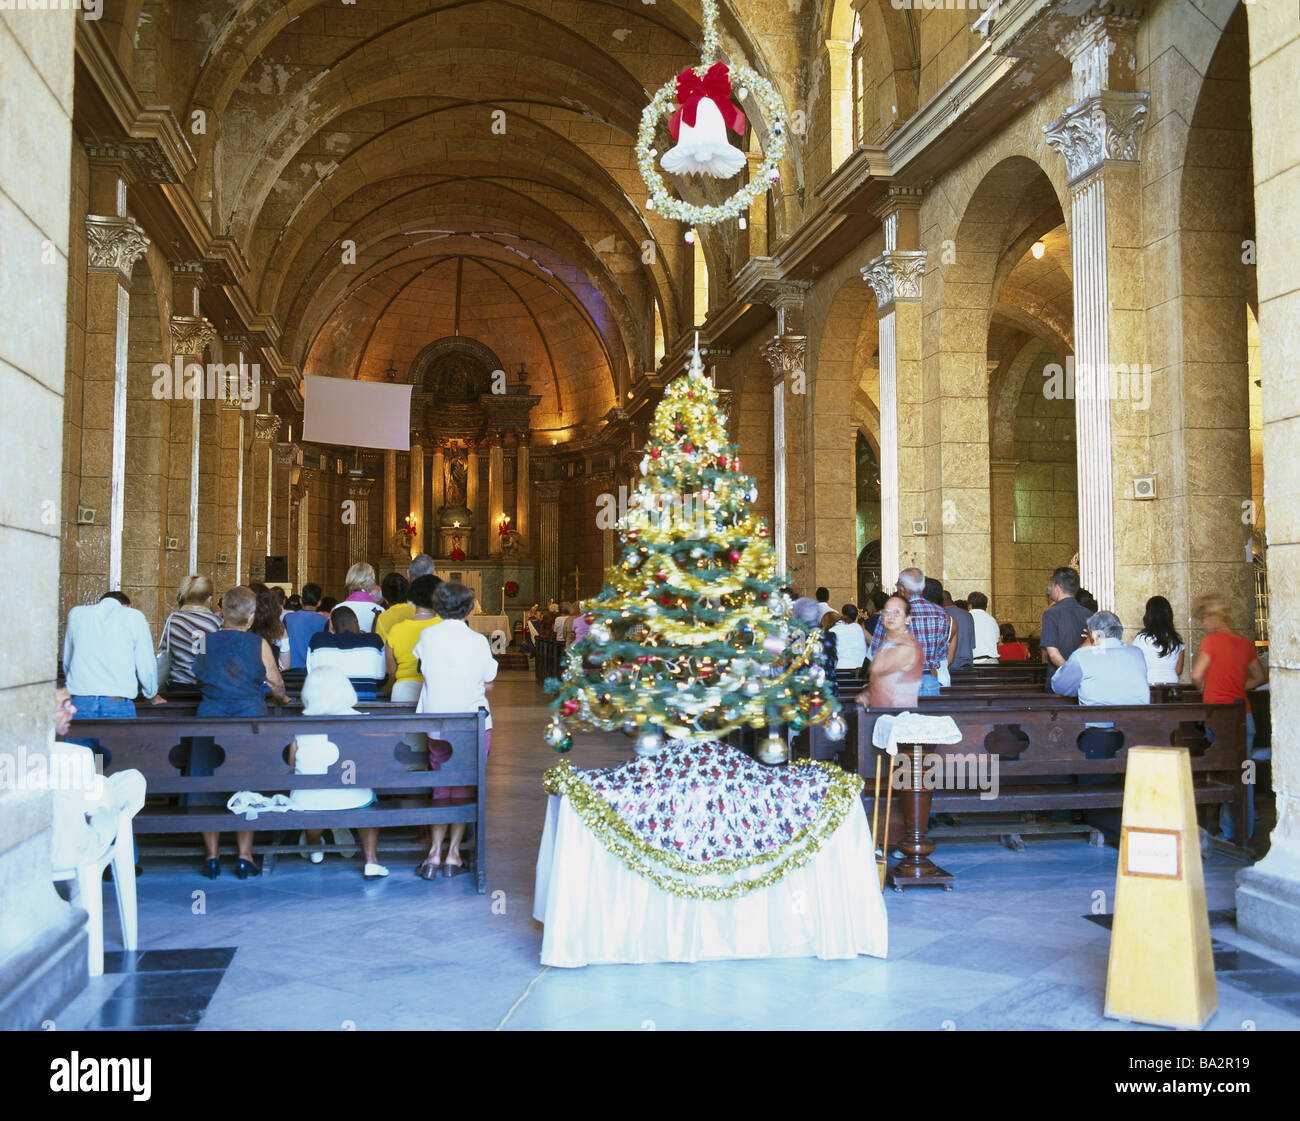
(577, 576)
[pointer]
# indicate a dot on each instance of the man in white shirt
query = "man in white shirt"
(850, 640)
(987, 632)
(823, 603)
(107, 649)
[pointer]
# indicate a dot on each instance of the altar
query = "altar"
(700, 853)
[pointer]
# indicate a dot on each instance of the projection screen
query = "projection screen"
(362, 414)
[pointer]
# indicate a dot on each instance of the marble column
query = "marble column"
(496, 494)
(785, 354)
(1003, 598)
(359, 488)
(42, 938)
(1268, 894)
(303, 563)
(895, 277)
(265, 428)
(471, 499)
(114, 243)
(191, 334)
(523, 492)
(1099, 137)
(417, 499)
(548, 540)
(437, 490)
(390, 498)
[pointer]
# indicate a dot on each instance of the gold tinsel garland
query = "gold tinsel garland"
(664, 869)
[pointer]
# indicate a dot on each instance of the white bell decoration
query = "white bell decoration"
(704, 149)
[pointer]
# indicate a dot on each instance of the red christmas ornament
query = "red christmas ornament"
(632, 534)
(661, 576)
(688, 448)
(722, 463)
(679, 427)
(667, 601)
(641, 659)
(569, 708)
(816, 702)
(762, 531)
(654, 453)
(734, 556)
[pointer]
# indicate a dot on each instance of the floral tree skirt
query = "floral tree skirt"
(699, 853)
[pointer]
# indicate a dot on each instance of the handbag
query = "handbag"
(163, 659)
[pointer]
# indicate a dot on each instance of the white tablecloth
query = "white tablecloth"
(596, 910)
(486, 624)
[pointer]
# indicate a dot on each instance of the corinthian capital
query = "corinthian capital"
(113, 244)
(190, 334)
(1106, 126)
(896, 275)
(265, 427)
(785, 354)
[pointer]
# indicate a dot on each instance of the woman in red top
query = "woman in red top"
(1225, 668)
(1009, 650)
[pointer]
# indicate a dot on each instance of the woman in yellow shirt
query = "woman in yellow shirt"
(403, 636)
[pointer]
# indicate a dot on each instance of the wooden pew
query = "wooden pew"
(1039, 741)
(255, 758)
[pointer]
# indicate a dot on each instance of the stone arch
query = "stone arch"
(840, 374)
(427, 370)
(1013, 203)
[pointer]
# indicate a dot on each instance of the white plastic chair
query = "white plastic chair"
(92, 829)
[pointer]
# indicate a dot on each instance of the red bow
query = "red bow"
(716, 85)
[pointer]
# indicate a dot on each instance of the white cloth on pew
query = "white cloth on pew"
(250, 803)
(912, 727)
(597, 911)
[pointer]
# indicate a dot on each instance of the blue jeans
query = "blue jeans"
(1227, 816)
(101, 708)
(929, 685)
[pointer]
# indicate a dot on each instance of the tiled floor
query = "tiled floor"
(315, 946)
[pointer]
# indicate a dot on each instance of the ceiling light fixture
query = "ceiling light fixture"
(1038, 249)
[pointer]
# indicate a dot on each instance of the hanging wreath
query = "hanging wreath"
(704, 111)
(512, 589)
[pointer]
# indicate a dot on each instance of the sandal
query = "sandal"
(427, 871)
(449, 870)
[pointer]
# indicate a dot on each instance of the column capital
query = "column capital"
(287, 455)
(549, 490)
(190, 334)
(306, 479)
(1103, 128)
(895, 275)
(785, 354)
(265, 427)
(114, 244)
(359, 486)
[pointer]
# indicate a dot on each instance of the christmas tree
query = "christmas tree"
(692, 636)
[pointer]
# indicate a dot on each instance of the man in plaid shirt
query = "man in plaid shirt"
(928, 624)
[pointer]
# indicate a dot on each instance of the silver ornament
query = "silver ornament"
(599, 634)
(773, 750)
(554, 734)
(649, 743)
(835, 727)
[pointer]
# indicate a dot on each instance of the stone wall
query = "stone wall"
(43, 959)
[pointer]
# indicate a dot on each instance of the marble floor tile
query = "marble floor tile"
(316, 947)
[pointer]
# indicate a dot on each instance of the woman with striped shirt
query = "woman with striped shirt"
(184, 631)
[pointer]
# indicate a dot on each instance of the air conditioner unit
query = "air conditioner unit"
(801, 547)
(1144, 486)
(918, 527)
(171, 544)
(85, 515)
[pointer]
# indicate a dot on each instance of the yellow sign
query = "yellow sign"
(1161, 968)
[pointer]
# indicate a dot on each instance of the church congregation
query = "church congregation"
(701, 513)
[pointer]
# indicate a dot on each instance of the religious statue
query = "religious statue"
(456, 479)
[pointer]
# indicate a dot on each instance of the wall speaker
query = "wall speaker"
(171, 544)
(277, 570)
(801, 548)
(1144, 486)
(919, 528)
(85, 515)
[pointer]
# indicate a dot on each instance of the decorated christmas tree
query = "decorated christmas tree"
(692, 636)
